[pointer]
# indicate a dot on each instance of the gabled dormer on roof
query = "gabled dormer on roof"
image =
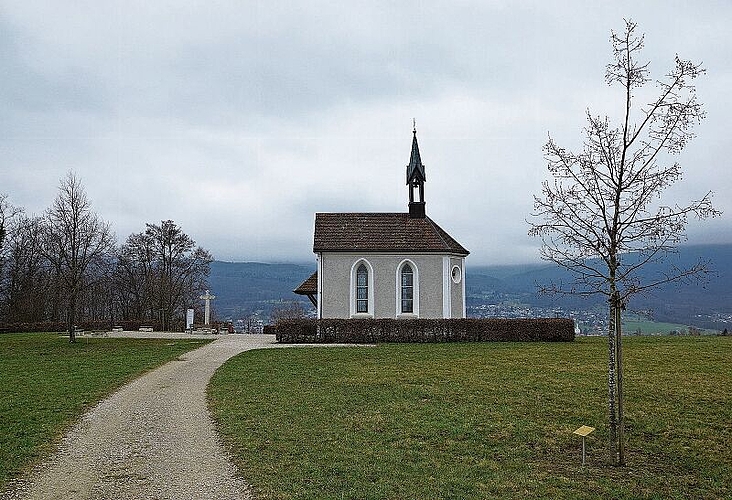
(416, 178)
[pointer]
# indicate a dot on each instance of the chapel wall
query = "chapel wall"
(336, 284)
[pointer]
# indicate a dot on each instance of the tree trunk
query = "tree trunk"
(611, 387)
(619, 369)
(72, 317)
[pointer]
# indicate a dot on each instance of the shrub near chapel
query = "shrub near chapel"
(366, 331)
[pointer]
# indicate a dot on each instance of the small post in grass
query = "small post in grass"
(584, 431)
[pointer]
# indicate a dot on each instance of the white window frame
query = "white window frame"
(415, 290)
(446, 288)
(353, 296)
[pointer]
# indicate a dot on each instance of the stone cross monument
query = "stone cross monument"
(207, 311)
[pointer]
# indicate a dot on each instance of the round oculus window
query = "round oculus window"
(456, 274)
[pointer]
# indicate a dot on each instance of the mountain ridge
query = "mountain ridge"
(246, 288)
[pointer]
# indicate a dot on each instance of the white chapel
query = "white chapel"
(387, 265)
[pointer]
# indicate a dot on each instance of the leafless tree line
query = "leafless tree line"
(65, 266)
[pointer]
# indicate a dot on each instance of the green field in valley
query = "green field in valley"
(47, 383)
(469, 421)
(646, 327)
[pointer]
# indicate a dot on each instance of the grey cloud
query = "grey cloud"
(239, 120)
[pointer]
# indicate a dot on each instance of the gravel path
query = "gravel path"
(152, 439)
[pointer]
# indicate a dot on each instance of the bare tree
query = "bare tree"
(8, 214)
(77, 242)
(161, 271)
(287, 310)
(134, 277)
(252, 324)
(26, 281)
(600, 217)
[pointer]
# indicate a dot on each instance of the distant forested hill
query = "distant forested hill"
(686, 303)
(245, 287)
(242, 288)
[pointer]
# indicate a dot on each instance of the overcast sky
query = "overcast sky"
(239, 120)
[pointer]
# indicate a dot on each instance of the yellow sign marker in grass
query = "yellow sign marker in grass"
(583, 431)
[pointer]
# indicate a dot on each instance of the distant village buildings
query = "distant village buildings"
(387, 265)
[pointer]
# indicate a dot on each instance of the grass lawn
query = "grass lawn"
(647, 327)
(47, 383)
(490, 420)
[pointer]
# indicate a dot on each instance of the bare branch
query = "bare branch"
(603, 202)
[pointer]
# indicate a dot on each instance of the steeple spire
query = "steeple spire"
(416, 178)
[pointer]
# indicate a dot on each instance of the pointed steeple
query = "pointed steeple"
(416, 178)
(415, 169)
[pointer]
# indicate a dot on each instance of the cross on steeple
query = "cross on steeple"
(416, 178)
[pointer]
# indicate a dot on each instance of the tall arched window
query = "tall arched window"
(407, 287)
(362, 289)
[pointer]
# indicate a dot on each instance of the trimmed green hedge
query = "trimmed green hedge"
(61, 326)
(369, 331)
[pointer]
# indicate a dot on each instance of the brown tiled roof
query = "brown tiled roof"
(381, 232)
(309, 286)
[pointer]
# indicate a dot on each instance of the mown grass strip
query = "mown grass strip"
(477, 420)
(47, 383)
